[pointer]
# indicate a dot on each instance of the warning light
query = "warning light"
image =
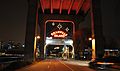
(59, 34)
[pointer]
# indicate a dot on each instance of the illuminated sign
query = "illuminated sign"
(65, 29)
(59, 34)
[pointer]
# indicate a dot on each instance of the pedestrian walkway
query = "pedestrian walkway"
(77, 62)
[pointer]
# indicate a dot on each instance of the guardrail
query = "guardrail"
(6, 60)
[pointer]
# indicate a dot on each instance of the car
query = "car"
(104, 63)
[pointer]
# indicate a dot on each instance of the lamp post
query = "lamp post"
(93, 47)
(35, 44)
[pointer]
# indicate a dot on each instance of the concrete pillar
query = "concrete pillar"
(41, 22)
(97, 31)
(30, 31)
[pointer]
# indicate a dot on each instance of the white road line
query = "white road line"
(48, 66)
(66, 65)
(50, 63)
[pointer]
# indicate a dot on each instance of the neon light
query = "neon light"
(59, 34)
(59, 21)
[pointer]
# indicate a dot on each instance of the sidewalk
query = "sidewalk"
(77, 62)
(116, 67)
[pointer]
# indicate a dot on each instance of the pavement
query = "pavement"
(77, 62)
(116, 67)
(55, 65)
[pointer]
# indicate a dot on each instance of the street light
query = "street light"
(89, 38)
(38, 37)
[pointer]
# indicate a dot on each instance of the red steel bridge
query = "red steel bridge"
(59, 20)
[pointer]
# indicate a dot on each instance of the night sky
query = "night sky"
(13, 15)
(13, 19)
(111, 18)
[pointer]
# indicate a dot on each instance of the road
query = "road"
(56, 65)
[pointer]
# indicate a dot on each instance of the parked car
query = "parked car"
(104, 63)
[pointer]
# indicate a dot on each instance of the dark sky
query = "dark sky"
(13, 19)
(110, 10)
(13, 15)
(111, 18)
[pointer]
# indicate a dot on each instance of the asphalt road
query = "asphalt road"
(56, 65)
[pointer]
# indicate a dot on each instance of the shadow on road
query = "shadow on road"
(15, 65)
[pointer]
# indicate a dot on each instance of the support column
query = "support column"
(42, 28)
(97, 31)
(30, 31)
(76, 41)
(42, 42)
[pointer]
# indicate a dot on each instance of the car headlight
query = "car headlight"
(105, 63)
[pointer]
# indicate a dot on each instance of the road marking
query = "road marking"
(48, 66)
(50, 63)
(66, 65)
